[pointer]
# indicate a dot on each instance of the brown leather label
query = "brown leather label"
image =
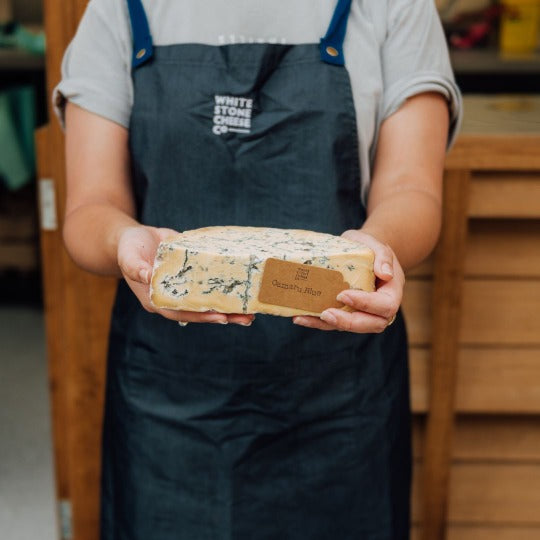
(301, 286)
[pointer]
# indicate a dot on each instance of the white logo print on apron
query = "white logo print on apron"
(232, 113)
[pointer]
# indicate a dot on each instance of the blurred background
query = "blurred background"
(480, 440)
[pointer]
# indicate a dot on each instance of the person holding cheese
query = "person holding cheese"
(330, 116)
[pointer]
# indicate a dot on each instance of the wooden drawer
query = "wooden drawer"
(489, 380)
(485, 532)
(494, 478)
(505, 194)
(488, 494)
(494, 312)
(497, 248)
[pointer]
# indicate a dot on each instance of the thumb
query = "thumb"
(383, 265)
(164, 233)
(136, 251)
(139, 271)
(133, 266)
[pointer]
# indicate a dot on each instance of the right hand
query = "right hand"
(137, 248)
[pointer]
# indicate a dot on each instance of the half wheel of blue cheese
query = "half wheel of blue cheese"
(221, 268)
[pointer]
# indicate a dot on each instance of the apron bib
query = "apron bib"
(274, 431)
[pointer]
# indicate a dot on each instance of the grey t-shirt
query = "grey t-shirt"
(393, 50)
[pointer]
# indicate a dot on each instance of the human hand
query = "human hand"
(137, 248)
(373, 311)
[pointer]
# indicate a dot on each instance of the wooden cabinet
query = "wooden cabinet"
(475, 374)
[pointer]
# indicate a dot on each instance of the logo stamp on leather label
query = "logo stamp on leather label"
(301, 286)
(302, 273)
(232, 114)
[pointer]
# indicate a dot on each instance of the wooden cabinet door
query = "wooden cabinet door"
(77, 310)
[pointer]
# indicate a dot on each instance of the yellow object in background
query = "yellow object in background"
(519, 26)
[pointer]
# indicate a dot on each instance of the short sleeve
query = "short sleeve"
(96, 72)
(415, 59)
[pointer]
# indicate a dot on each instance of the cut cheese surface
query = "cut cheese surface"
(221, 268)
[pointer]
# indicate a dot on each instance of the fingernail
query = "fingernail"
(341, 297)
(182, 323)
(245, 324)
(144, 275)
(223, 322)
(328, 317)
(387, 269)
(298, 320)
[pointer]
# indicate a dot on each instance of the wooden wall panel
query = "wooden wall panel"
(497, 248)
(501, 439)
(494, 312)
(493, 150)
(464, 532)
(417, 309)
(501, 312)
(488, 494)
(419, 370)
(489, 380)
(423, 271)
(501, 248)
(493, 493)
(507, 195)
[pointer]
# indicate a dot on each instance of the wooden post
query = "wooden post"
(447, 282)
(52, 299)
(77, 317)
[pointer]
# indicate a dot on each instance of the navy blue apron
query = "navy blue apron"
(271, 432)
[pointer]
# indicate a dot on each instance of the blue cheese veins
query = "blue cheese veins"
(220, 268)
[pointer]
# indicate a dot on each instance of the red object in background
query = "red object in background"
(476, 35)
(478, 26)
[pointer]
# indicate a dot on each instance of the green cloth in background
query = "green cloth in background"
(17, 123)
(13, 34)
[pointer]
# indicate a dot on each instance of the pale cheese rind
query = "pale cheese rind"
(221, 268)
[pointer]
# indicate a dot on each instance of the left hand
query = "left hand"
(137, 248)
(374, 311)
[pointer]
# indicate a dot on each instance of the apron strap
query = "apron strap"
(142, 40)
(331, 45)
